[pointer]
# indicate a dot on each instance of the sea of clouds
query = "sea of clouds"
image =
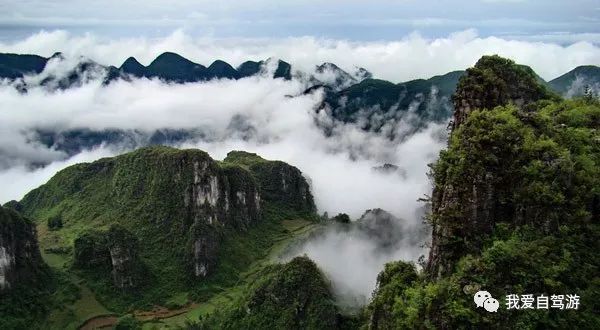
(271, 117)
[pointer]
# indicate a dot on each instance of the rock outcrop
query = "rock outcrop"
(280, 183)
(114, 251)
(496, 81)
(20, 259)
(174, 206)
(381, 227)
(469, 210)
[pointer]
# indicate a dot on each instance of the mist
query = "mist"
(408, 57)
(271, 117)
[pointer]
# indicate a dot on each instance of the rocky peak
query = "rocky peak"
(465, 210)
(361, 74)
(157, 193)
(279, 182)
(132, 66)
(381, 227)
(496, 81)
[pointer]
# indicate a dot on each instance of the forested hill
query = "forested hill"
(515, 210)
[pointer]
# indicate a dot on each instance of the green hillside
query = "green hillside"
(162, 226)
(588, 76)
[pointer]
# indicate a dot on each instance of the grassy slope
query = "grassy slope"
(293, 229)
(218, 295)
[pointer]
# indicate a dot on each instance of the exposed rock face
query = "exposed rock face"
(204, 242)
(20, 259)
(472, 207)
(283, 183)
(179, 204)
(279, 182)
(496, 81)
(127, 269)
(90, 251)
(115, 250)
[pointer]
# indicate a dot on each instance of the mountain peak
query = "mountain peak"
(222, 69)
(249, 68)
(172, 59)
(284, 70)
(131, 65)
(58, 55)
(496, 81)
(328, 66)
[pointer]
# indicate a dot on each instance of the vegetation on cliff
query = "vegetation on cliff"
(25, 280)
(159, 221)
(515, 210)
(287, 296)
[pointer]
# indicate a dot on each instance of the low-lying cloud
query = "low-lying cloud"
(272, 117)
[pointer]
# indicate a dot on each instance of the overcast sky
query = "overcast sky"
(560, 21)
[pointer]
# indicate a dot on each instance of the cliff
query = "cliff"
(115, 250)
(515, 210)
(25, 280)
(20, 259)
(495, 81)
(160, 219)
(280, 183)
(473, 201)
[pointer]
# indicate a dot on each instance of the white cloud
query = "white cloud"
(339, 167)
(408, 58)
(18, 180)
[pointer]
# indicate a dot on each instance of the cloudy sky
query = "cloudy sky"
(561, 21)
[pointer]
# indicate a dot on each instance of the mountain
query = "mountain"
(514, 210)
(392, 110)
(220, 69)
(144, 226)
(172, 238)
(20, 259)
(379, 105)
(331, 75)
(175, 68)
(14, 66)
(577, 81)
(24, 277)
(495, 81)
(168, 66)
(133, 67)
(290, 296)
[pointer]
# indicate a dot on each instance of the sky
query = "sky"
(560, 21)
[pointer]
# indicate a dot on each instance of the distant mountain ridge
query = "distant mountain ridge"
(167, 66)
(173, 67)
(379, 106)
(577, 81)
